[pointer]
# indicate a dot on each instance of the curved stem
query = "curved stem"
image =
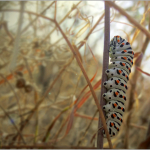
(74, 51)
(131, 19)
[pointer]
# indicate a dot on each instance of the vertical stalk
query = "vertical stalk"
(105, 66)
(17, 39)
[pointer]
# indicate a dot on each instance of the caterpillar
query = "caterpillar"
(121, 55)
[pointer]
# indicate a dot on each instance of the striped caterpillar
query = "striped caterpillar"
(121, 55)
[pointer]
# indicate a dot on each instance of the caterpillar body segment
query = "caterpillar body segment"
(114, 116)
(113, 128)
(115, 94)
(114, 106)
(122, 65)
(117, 83)
(123, 52)
(117, 72)
(128, 59)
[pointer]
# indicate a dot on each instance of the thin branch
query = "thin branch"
(83, 136)
(137, 126)
(7, 30)
(28, 68)
(87, 36)
(61, 21)
(36, 117)
(131, 19)
(105, 66)
(25, 28)
(51, 125)
(17, 99)
(13, 124)
(88, 81)
(55, 10)
(29, 12)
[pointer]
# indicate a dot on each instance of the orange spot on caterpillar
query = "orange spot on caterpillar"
(116, 93)
(118, 41)
(123, 64)
(115, 104)
(125, 50)
(120, 71)
(117, 81)
(112, 124)
(114, 115)
(121, 108)
(125, 58)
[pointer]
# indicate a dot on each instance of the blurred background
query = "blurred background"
(44, 97)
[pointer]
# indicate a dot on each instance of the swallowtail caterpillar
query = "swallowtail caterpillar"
(121, 55)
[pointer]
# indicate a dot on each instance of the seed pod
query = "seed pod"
(28, 88)
(20, 83)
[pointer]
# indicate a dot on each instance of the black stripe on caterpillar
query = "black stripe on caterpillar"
(121, 55)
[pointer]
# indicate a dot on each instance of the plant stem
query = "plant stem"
(105, 66)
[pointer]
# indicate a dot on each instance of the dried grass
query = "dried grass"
(55, 107)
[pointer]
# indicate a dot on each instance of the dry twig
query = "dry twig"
(104, 76)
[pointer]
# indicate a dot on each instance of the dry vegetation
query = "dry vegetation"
(45, 100)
